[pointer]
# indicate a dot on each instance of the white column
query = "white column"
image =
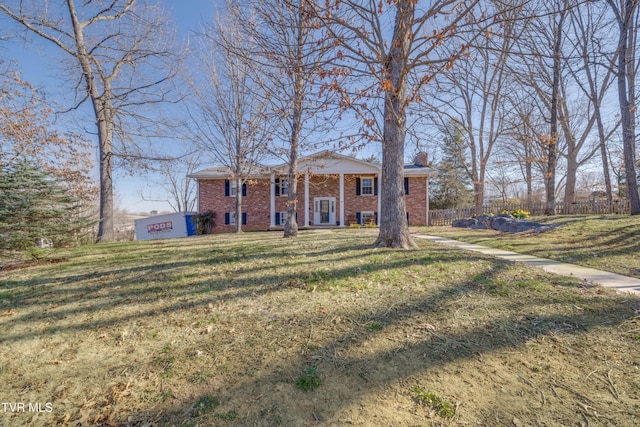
(427, 221)
(343, 222)
(306, 199)
(272, 215)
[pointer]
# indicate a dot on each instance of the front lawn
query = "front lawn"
(605, 242)
(255, 330)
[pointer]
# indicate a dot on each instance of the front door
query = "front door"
(324, 211)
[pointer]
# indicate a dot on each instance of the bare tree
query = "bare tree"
(590, 35)
(524, 142)
(230, 115)
(472, 94)
(552, 143)
(626, 14)
(179, 191)
(393, 48)
(292, 55)
(540, 68)
(118, 50)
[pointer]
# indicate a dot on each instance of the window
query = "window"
(231, 188)
(368, 217)
(230, 218)
(283, 217)
(282, 187)
(367, 186)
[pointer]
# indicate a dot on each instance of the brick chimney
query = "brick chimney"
(421, 159)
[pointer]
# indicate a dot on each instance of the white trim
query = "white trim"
(373, 182)
(343, 221)
(306, 199)
(272, 201)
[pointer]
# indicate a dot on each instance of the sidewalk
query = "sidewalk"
(609, 280)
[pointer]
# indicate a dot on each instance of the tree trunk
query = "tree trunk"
(106, 227)
(570, 186)
(627, 109)
(528, 167)
(239, 205)
(394, 230)
(552, 143)
(291, 225)
(103, 112)
(478, 192)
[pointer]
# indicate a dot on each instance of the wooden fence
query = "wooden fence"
(446, 216)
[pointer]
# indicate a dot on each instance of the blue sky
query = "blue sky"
(39, 63)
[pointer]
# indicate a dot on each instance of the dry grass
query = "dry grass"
(218, 330)
(605, 242)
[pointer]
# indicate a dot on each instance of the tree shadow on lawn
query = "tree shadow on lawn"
(269, 396)
(585, 249)
(143, 288)
(342, 357)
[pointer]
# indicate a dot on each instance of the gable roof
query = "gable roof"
(329, 162)
(225, 172)
(321, 163)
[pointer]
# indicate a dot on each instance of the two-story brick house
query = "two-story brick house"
(333, 190)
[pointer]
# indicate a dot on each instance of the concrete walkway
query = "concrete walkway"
(609, 280)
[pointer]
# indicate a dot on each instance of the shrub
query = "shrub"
(517, 213)
(205, 222)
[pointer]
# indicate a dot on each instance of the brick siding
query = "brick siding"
(256, 203)
(416, 201)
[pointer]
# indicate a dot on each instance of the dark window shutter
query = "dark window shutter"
(227, 220)
(376, 214)
(375, 186)
(407, 218)
(357, 186)
(277, 218)
(278, 191)
(244, 190)
(358, 218)
(244, 218)
(406, 186)
(226, 188)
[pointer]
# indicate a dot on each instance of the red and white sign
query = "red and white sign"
(160, 227)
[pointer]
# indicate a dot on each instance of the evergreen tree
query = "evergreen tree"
(35, 206)
(452, 187)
